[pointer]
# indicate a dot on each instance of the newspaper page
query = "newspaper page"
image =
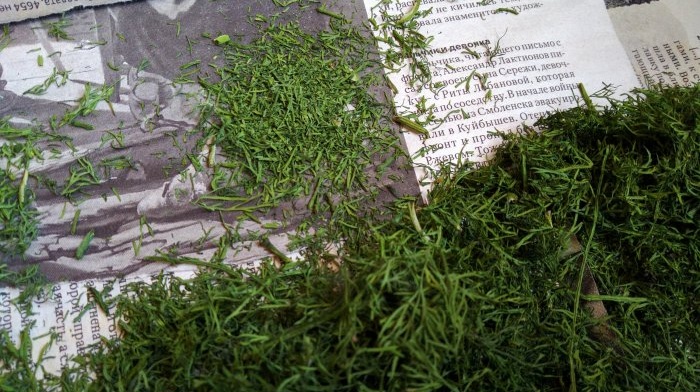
(661, 38)
(525, 65)
(504, 63)
(17, 10)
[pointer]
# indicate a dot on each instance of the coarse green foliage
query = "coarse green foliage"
(57, 28)
(292, 116)
(470, 292)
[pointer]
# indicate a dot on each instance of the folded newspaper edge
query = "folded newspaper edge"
(15, 11)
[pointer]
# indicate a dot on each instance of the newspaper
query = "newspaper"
(525, 66)
(17, 10)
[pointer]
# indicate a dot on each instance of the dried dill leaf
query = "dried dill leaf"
(18, 222)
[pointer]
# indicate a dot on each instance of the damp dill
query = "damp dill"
(488, 287)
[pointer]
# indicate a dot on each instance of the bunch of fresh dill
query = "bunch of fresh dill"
(478, 290)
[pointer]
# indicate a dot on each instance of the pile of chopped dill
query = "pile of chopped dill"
(481, 289)
(292, 116)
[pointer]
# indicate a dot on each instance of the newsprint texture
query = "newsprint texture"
(518, 66)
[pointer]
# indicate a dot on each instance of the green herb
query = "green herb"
(116, 194)
(402, 42)
(18, 224)
(5, 38)
(479, 290)
(53, 79)
(222, 39)
(40, 60)
(74, 223)
(411, 125)
(411, 14)
(115, 139)
(177, 27)
(116, 163)
(292, 118)
(468, 80)
(82, 175)
(323, 10)
(57, 28)
(91, 44)
(99, 299)
(191, 64)
(506, 10)
(87, 104)
(287, 3)
(488, 95)
(143, 65)
(483, 80)
(20, 369)
(31, 282)
(84, 245)
(496, 50)
(83, 125)
(472, 52)
(265, 243)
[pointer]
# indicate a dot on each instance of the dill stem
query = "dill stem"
(586, 97)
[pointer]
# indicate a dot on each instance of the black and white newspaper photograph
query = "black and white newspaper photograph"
(326, 195)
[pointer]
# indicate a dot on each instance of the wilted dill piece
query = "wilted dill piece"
(292, 117)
